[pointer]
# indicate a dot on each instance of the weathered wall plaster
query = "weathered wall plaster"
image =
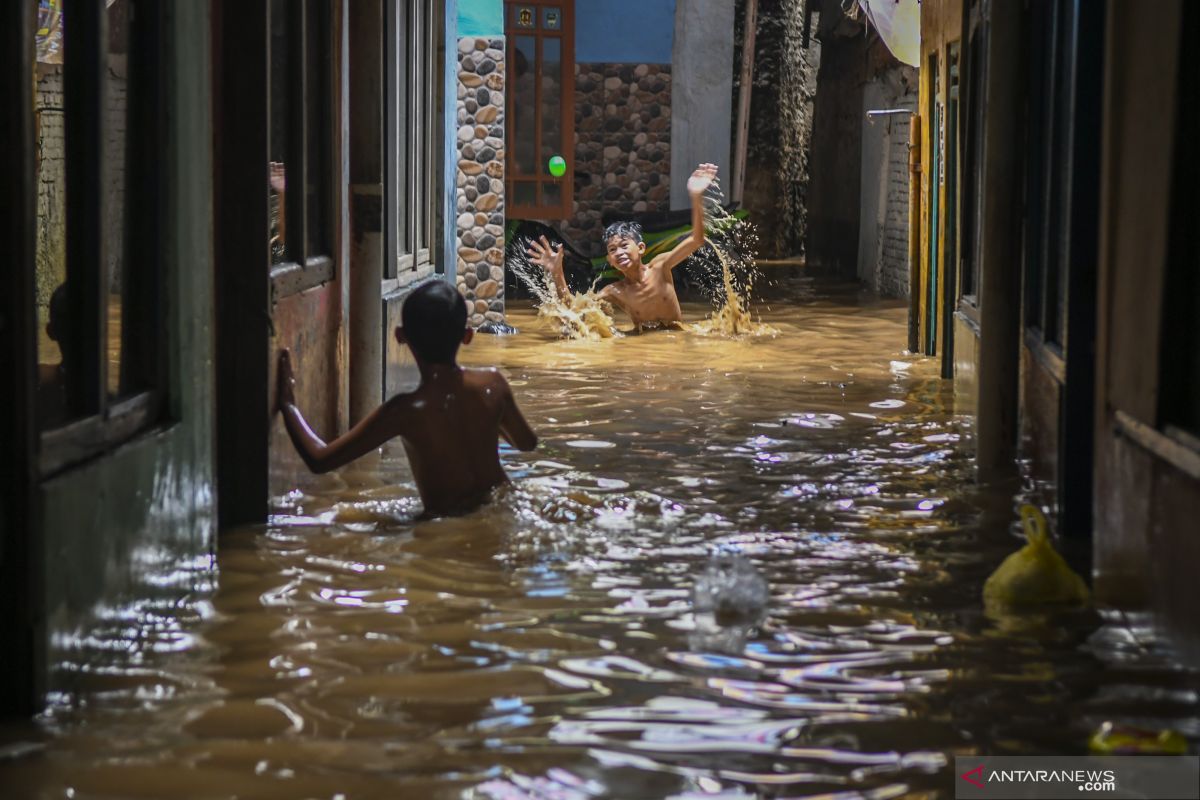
(701, 92)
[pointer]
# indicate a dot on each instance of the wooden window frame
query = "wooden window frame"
(973, 83)
(107, 422)
(566, 33)
(1050, 133)
(302, 268)
(413, 134)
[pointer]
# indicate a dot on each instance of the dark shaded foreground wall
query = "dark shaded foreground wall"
(1147, 492)
(137, 526)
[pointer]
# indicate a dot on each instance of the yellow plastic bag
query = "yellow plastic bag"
(1035, 576)
(1126, 740)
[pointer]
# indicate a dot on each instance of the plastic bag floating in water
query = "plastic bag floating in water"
(1035, 576)
(1110, 739)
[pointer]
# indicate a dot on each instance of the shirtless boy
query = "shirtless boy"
(645, 292)
(449, 425)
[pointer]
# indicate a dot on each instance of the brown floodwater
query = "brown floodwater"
(549, 645)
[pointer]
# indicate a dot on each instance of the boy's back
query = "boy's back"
(450, 427)
(450, 424)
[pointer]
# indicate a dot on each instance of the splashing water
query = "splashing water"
(728, 238)
(584, 316)
(729, 601)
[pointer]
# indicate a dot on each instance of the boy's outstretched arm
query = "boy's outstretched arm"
(550, 259)
(513, 426)
(701, 179)
(379, 426)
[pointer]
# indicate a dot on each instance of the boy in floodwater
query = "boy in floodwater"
(449, 424)
(646, 292)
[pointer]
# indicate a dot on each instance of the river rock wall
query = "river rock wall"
(479, 189)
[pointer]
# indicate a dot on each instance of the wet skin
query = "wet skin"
(450, 425)
(646, 292)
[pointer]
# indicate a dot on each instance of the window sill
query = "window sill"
(1047, 354)
(87, 438)
(292, 278)
(407, 279)
(968, 309)
(971, 321)
(1177, 450)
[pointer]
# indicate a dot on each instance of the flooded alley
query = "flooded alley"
(589, 399)
(549, 645)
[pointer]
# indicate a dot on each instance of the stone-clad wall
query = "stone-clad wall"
(479, 195)
(622, 145)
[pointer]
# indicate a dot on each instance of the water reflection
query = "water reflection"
(550, 645)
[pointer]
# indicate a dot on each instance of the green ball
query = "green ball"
(558, 166)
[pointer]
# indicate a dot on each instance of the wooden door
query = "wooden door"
(539, 107)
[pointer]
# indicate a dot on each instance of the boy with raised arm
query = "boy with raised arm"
(449, 424)
(646, 292)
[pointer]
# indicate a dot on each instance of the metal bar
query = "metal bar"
(86, 45)
(21, 597)
(143, 358)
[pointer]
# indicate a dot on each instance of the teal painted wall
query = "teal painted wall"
(480, 17)
(128, 535)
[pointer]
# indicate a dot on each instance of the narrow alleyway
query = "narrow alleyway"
(546, 646)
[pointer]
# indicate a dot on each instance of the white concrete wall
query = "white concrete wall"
(701, 91)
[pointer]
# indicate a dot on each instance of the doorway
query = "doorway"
(540, 108)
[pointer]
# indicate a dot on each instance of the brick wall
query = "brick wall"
(893, 263)
(883, 213)
(52, 176)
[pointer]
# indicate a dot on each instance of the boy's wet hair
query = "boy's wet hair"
(434, 317)
(624, 230)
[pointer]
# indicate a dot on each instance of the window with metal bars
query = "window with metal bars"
(99, 128)
(300, 145)
(414, 133)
